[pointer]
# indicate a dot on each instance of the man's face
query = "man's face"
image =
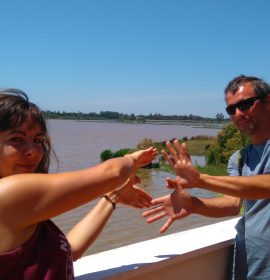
(251, 120)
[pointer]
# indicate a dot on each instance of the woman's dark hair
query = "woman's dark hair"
(15, 109)
(261, 87)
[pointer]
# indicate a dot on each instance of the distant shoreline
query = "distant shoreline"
(195, 124)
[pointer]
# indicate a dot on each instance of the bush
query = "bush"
(207, 146)
(145, 143)
(121, 153)
(106, 154)
(203, 137)
(228, 141)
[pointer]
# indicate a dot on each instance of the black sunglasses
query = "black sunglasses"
(242, 105)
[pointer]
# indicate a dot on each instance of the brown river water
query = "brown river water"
(79, 144)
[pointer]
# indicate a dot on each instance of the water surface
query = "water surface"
(79, 144)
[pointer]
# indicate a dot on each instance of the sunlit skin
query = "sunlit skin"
(253, 122)
(21, 149)
(250, 122)
(28, 199)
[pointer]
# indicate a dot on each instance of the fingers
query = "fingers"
(152, 211)
(144, 157)
(142, 198)
(171, 183)
(139, 203)
(152, 151)
(177, 151)
(167, 157)
(185, 151)
(172, 151)
(156, 217)
(137, 180)
(156, 213)
(142, 193)
(157, 201)
(166, 225)
(146, 197)
(145, 203)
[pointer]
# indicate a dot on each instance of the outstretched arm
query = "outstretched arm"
(180, 204)
(27, 199)
(250, 187)
(83, 234)
(89, 228)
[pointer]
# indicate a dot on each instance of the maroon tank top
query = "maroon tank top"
(45, 256)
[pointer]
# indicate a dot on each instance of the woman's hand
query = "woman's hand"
(143, 157)
(131, 195)
(180, 161)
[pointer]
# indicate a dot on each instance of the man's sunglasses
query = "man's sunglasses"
(242, 105)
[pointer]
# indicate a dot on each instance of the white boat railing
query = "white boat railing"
(200, 253)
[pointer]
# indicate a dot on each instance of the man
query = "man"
(248, 104)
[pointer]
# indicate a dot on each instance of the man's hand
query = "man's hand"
(180, 161)
(176, 205)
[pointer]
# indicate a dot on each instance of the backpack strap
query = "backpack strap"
(241, 158)
(242, 154)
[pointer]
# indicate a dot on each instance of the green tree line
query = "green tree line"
(110, 115)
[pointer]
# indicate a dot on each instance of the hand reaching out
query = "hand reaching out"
(132, 195)
(180, 161)
(176, 205)
(143, 157)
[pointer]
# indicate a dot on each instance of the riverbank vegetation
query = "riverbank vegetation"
(216, 150)
(215, 170)
(150, 118)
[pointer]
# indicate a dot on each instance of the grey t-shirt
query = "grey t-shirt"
(252, 243)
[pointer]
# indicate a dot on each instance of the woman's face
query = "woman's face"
(21, 149)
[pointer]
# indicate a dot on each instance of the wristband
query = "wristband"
(110, 201)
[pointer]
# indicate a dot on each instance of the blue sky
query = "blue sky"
(140, 56)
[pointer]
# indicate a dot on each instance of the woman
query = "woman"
(31, 246)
